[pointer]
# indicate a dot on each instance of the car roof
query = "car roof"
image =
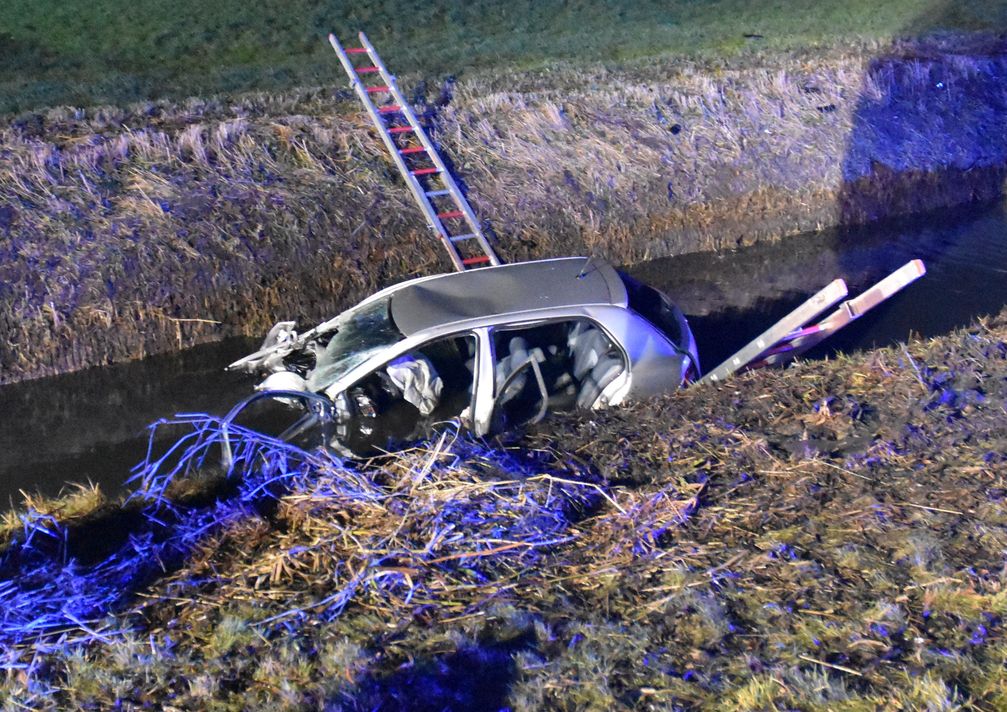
(506, 289)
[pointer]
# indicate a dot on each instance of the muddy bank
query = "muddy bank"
(133, 231)
(826, 536)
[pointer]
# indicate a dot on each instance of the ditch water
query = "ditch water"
(91, 425)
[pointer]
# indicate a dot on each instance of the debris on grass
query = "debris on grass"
(827, 536)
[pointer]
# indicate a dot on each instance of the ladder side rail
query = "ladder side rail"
(432, 152)
(797, 342)
(850, 310)
(822, 300)
(795, 347)
(887, 287)
(414, 185)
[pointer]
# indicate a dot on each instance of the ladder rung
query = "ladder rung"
(475, 260)
(392, 115)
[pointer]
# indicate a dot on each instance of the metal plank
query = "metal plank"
(903, 276)
(848, 312)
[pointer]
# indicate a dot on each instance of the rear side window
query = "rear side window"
(655, 308)
(575, 359)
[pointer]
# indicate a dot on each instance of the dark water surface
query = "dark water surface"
(92, 425)
(732, 297)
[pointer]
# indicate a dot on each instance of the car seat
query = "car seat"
(596, 362)
(588, 345)
(606, 370)
(518, 353)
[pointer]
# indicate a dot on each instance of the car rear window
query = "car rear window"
(655, 307)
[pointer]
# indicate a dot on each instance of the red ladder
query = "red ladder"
(413, 153)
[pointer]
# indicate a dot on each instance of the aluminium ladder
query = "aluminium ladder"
(413, 153)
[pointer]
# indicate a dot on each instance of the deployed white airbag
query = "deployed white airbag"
(416, 378)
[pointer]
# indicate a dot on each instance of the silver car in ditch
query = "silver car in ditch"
(493, 349)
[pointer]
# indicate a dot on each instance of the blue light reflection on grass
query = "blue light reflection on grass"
(50, 599)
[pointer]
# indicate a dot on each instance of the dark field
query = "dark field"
(828, 536)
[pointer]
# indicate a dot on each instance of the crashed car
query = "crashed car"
(491, 349)
(493, 346)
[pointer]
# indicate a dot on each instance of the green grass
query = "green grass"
(97, 51)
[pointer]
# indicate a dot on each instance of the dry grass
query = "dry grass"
(82, 500)
(133, 231)
(825, 537)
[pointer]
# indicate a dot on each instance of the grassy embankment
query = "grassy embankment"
(89, 52)
(128, 231)
(136, 230)
(830, 537)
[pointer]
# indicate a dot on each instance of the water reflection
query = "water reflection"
(91, 425)
(732, 297)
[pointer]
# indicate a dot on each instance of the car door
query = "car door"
(546, 366)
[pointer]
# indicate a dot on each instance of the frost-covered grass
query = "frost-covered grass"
(828, 536)
(84, 52)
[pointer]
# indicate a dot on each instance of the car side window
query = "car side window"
(400, 400)
(576, 361)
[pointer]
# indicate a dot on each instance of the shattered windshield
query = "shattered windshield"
(364, 332)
